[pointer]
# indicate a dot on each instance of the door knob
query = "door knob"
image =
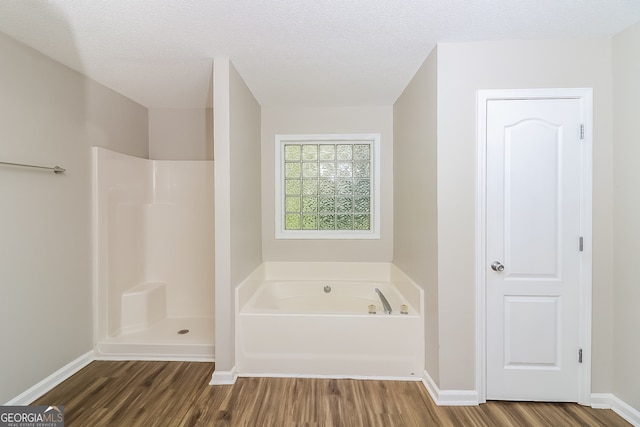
(496, 266)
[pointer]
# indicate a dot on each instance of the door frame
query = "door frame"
(585, 95)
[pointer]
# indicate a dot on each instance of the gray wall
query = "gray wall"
(436, 116)
(327, 120)
(626, 216)
(238, 231)
(415, 227)
(181, 134)
(50, 115)
(246, 198)
(463, 69)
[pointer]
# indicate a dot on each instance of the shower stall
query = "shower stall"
(153, 258)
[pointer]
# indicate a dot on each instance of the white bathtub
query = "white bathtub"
(287, 326)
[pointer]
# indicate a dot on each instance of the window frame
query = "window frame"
(373, 140)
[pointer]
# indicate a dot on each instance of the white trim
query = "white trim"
(95, 230)
(224, 340)
(224, 377)
(449, 397)
(153, 358)
(610, 401)
(481, 256)
(330, 377)
(586, 230)
(370, 138)
(31, 394)
(586, 94)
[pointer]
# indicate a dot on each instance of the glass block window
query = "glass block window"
(327, 186)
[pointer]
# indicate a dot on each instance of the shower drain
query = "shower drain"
(183, 331)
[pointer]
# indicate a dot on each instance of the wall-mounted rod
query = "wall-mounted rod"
(55, 169)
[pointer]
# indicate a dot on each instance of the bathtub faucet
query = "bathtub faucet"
(385, 303)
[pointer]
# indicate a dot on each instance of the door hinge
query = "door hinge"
(581, 244)
(581, 131)
(580, 356)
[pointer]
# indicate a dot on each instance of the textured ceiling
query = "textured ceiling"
(289, 52)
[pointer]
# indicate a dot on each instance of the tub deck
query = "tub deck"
(324, 297)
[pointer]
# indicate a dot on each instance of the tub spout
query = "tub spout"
(385, 303)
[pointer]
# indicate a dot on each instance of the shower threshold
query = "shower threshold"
(183, 339)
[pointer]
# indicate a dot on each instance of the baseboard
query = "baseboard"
(52, 380)
(449, 397)
(610, 401)
(326, 377)
(224, 377)
(160, 358)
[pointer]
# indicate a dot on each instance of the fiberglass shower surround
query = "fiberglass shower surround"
(154, 256)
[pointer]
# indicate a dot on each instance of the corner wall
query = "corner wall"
(51, 115)
(626, 215)
(246, 197)
(327, 120)
(181, 134)
(238, 249)
(415, 227)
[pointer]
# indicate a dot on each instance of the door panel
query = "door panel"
(520, 351)
(531, 196)
(533, 229)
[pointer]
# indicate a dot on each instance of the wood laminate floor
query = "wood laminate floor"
(167, 394)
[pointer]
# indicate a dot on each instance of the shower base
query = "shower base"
(166, 339)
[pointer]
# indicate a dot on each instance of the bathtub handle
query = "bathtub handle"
(385, 303)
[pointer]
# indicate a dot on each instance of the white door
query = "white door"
(533, 249)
